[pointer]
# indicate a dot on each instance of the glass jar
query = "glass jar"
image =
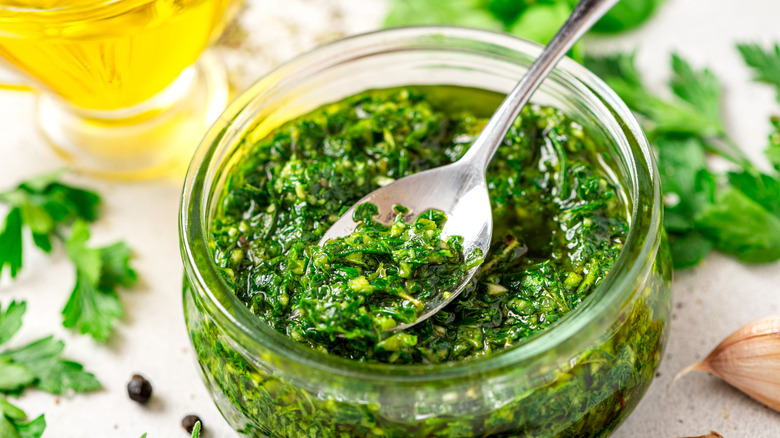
(579, 378)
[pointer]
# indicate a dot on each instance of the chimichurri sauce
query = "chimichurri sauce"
(559, 225)
(361, 285)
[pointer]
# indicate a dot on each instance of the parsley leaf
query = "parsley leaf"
(506, 10)
(13, 376)
(38, 363)
(688, 249)
(660, 116)
(536, 19)
(90, 310)
(53, 211)
(12, 423)
(740, 216)
(94, 305)
(52, 374)
(115, 267)
(11, 243)
(471, 13)
(539, 22)
(618, 67)
(765, 63)
(42, 204)
(761, 188)
(33, 429)
(11, 320)
(626, 14)
(740, 226)
(688, 188)
(704, 91)
(10, 411)
(695, 109)
(700, 89)
(196, 430)
(688, 185)
(87, 260)
(532, 19)
(773, 151)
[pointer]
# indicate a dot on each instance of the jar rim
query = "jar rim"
(249, 331)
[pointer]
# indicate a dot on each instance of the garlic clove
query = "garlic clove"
(749, 360)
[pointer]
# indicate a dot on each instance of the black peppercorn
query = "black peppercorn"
(139, 389)
(188, 423)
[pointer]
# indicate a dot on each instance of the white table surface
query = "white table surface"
(710, 301)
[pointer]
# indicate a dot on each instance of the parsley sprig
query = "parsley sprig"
(737, 213)
(532, 19)
(773, 151)
(765, 63)
(14, 424)
(53, 211)
(38, 364)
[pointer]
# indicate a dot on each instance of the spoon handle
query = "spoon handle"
(584, 15)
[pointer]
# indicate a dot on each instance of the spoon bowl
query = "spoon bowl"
(460, 189)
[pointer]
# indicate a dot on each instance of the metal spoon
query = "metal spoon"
(460, 189)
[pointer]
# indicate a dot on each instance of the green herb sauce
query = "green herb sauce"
(559, 225)
(359, 286)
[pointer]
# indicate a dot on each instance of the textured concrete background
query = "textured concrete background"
(711, 301)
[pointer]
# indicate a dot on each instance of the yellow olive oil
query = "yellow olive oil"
(107, 55)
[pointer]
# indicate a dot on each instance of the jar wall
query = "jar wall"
(587, 399)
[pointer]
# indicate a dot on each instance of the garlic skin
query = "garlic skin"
(749, 360)
(712, 434)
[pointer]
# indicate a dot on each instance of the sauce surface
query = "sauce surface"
(559, 223)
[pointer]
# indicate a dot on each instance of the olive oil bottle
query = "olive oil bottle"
(124, 92)
(106, 55)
